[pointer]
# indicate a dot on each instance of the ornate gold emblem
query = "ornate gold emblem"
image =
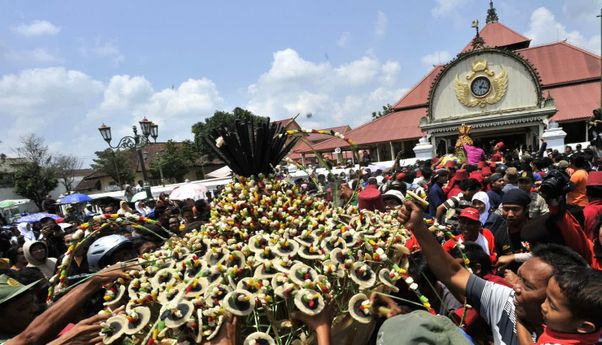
(482, 86)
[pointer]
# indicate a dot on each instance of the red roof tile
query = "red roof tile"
(562, 62)
(392, 127)
(575, 102)
(419, 94)
(498, 35)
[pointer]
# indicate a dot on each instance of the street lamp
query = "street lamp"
(135, 142)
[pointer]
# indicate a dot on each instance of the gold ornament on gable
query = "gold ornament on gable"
(482, 86)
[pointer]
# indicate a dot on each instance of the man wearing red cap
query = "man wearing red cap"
(472, 231)
(593, 209)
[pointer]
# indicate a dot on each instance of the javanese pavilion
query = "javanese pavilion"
(499, 84)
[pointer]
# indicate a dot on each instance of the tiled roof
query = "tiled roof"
(562, 62)
(498, 35)
(419, 94)
(575, 102)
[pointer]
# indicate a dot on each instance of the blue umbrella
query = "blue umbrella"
(35, 217)
(75, 198)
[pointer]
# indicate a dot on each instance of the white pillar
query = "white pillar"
(424, 149)
(554, 136)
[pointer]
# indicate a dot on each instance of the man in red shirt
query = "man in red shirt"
(593, 209)
(472, 231)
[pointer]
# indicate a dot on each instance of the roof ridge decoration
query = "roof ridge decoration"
(529, 66)
(477, 42)
(491, 14)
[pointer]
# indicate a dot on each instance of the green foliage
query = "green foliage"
(174, 161)
(118, 165)
(219, 119)
(34, 182)
(386, 110)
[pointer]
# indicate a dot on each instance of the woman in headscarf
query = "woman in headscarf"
(124, 208)
(36, 254)
(26, 230)
(142, 208)
(489, 219)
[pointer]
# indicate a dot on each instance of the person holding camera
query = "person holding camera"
(577, 197)
(560, 227)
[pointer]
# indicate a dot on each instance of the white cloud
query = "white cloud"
(445, 7)
(544, 28)
(335, 95)
(380, 27)
(66, 107)
(104, 50)
(36, 28)
(358, 72)
(344, 39)
(128, 99)
(436, 58)
(49, 102)
(38, 56)
(390, 72)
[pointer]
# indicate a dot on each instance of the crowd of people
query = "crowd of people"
(509, 251)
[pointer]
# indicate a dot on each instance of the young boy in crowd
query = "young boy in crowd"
(572, 310)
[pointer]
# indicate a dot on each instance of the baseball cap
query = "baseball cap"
(495, 177)
(11, 288)
(563, 164)
(511, 174)
(526, 175)
(420, 327)
(470, 213)
(395, 194)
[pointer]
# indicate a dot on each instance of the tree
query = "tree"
(65, 167)
(173, 161)
(219, 119)
(36, 177)
(34, 150)
(118, 165)
(386, 110)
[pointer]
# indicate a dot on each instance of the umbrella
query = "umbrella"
(35, 217)
(75, 198)
(139, 196)
(188, 191)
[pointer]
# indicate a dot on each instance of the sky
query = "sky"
(66, 67)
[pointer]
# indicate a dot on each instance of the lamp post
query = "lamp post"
(135, 142)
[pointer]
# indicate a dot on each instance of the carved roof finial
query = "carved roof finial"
(477, 42)
(491, 14)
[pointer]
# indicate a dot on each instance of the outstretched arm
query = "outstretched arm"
(446, 269)
(47, 326)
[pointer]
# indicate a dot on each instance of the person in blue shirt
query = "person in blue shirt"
(436, 194)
